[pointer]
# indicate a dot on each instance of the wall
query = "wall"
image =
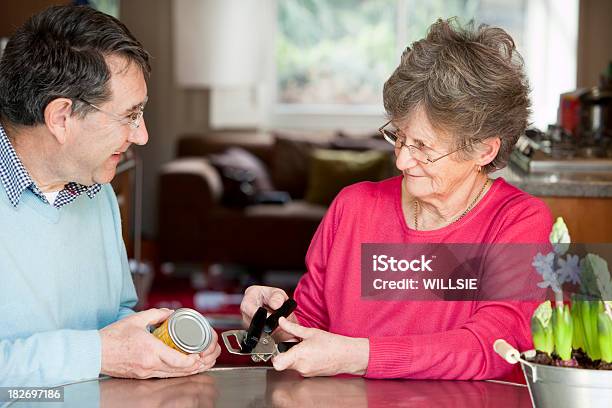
(594, 40)
(171, 111)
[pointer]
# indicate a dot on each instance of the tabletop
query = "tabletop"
(263, 387)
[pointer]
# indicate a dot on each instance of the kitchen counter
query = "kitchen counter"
(559, 184)
(262, 387)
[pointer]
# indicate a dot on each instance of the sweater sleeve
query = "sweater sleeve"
(309, 294)
(466, 352)
(50, 358)
(128, 297)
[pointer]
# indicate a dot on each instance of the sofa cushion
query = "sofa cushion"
(258, 143)
(332, 170)
(274, 236)
(361, 144)
(195, 168)
(291, 163)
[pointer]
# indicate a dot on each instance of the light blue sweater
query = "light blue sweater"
(63, 276)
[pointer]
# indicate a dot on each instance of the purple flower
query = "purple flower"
(544, 266)
(569, 269)
(544, 263)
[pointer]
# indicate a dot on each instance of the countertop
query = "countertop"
(558, 184)
(262, 387)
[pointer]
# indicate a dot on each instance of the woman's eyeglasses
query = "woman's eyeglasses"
(418, 154)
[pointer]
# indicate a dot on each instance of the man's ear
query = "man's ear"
(58, 114)
(487, 150)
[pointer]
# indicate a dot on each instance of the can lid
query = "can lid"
(189, 330)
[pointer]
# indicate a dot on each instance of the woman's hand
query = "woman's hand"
(322, 353)
(269, 298)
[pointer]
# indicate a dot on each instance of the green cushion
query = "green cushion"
(332, 170)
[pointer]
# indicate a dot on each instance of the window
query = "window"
(110, 7)
(334, 52)
(333, 57)
(327, 60)
(341, 52)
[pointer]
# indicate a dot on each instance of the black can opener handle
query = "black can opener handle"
(261, 328)
(253, 333)
(284, 311)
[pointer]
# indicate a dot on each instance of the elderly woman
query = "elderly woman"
(457, 104)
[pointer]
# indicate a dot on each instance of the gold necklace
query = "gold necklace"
(416, 207)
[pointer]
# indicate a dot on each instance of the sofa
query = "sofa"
(256, 199)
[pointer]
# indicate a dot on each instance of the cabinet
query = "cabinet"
(589, 219)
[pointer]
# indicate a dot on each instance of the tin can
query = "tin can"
(185, 330)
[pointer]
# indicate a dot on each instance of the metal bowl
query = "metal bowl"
(560, 387)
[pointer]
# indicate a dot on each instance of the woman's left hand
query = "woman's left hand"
(321, 353)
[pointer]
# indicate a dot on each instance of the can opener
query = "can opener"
(257, 340)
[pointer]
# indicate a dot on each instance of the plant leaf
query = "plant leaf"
(563, 331)
(605, 336)
(560, 237)
(595, 277)
(541, 329)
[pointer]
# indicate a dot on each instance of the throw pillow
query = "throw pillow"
(241, 160)
(243, 176)
(332, 170)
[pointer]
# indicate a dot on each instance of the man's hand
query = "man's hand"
(268, 297)
(322, 353)
(130, 351)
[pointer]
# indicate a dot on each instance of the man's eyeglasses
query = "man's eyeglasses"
(418, 154)
(133, 119)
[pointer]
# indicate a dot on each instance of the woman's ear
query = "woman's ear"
(58, 114)
(487, 150)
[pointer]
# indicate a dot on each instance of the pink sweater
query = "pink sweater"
(410, 339)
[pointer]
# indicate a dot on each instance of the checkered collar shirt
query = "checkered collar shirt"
(16, 179)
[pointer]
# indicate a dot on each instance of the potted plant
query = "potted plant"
(571, 364)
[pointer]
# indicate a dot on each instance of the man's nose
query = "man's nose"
(140, 136)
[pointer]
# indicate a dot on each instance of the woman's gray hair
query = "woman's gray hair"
(469, 82)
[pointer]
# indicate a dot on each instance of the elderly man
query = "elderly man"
(72, 93)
